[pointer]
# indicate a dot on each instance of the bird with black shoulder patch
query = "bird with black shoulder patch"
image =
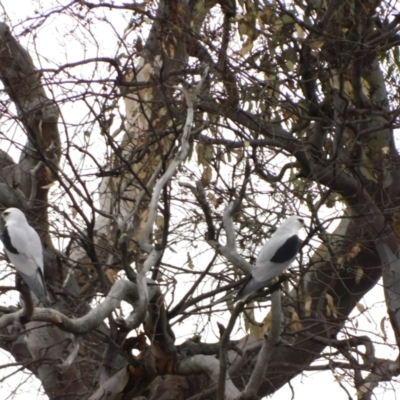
(24, 249)
(274, 257)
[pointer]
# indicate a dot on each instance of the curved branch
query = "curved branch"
(176, 162)
(209, 365)
(83, 325)
(229, 251)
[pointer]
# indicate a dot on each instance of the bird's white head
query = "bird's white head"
(14, 215)
(292, 224)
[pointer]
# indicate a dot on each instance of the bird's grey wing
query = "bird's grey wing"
(30, 273)
(275, 256)
(34, 248)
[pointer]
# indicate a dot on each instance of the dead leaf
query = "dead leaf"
(205, 154)
(360, 307)
(296, 325)
(267, 322)
(330, 306)
(385, 150)
(246, 48)
(317, 44)
(112, 275)
(340, 262)
(383, 329)
(359, 274)
(307, 304)
(159, 229)
(74, 212)
(206, 176)
(213, 199)
(340, 377)
(190, 261)
(242, 27)
(353, 252)
(256, 330)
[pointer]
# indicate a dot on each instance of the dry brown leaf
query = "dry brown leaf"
(383, 329)
(246, 48)
(340, 377)
(242, 27)
(296, 325)
(330, 306)
(74, 212)
(159, 229)
(267, 322)
(112, 275)
(353, 252)
(360, 307)
(359, 274)
(205, 154)
(212, 198)
(317, 44)
(206, 176)
(307, 304)
(256, 330)
(143, 220)
(190, 261)
(340, 262)
(300, 32)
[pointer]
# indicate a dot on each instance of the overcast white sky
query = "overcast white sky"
(54, 46)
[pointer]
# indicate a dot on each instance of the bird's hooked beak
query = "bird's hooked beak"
(3, 215)
(303, 223)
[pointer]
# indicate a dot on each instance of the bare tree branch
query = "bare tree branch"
(269, 345)
(209, 365)
(83, 325)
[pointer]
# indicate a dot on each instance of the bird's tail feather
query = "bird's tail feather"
(250, 287)
(36, 287)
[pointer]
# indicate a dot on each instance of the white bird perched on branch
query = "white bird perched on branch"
(274, 257)
(24, 249)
